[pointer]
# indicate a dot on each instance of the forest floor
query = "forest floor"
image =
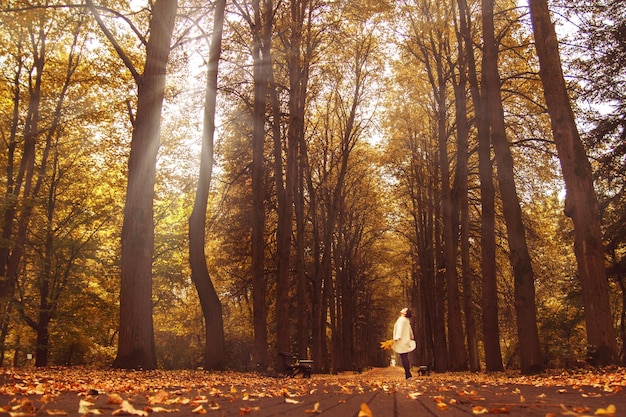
(379, 392)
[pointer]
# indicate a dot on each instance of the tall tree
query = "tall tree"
(460, 192)
(136, 339)
(491, 333)
(261, 23)
(209, 300)
(519, 256)
(581, 203)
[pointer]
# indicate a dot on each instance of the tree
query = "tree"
(581, 202)
(530, 352)
(136, 339)
(209, 300)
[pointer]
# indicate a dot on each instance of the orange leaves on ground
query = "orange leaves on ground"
(21, 408)
(248, 410)
(479, 409)
(315, 410)
(127, 409)
(85, 408)
(365, 411)
(159, 398)
(611, 410)
(414, 395)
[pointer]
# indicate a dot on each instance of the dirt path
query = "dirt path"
(376, 392)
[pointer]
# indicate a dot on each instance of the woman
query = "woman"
(403, 339)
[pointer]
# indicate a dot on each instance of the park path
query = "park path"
(378, 392)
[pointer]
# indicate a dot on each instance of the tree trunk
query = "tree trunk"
(209, 300)
(259, 282)
(530, 352)
(581, 203)
(136, 348)
(491, 333)
(461, 205)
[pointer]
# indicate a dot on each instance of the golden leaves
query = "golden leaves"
(365, 411)
(611, 410)
(315, 410)
(387, 344)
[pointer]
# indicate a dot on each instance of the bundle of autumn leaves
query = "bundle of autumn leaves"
(387, 344)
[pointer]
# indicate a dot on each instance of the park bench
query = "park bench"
(293, 366)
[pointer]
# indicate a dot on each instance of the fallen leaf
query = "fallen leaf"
(56, 412)
(365, 411)
(128, 409)
(115, 399)
(199, 410)
(315, 410)
(161, 410)
(609, 411)
(291, 401)
(159, 398)
(414, 395)
(84, 408)
(479, 409)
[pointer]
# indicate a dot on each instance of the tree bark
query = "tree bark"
(461, 204)
(581, 202)
(209, 300)
(489, 302)
(525, 308)
(136, 348)
(259, 282)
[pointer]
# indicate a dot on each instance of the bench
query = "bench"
(292, 366)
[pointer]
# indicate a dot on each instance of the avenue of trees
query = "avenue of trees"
(209, 183)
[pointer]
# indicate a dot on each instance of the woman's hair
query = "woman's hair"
(408, 313)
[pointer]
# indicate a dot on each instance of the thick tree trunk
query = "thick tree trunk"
(525, 308)
(461, 206)
(259, 282)
(581, 203)
(136, 348)
(456, 340)
(491, 333)
(442, 357)
(209, 300)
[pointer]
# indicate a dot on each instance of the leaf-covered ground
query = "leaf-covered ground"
(377, 392)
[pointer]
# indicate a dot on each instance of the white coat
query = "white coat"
(403, 336)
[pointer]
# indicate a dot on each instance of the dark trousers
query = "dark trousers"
(406, 365)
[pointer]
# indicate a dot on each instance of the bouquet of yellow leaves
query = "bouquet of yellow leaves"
(387, 344)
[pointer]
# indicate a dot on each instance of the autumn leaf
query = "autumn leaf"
(609, 411)
(291, 401)
(365, 411)
(414, 395)
(479, 409)
(115, 399)
(248, 410)
(56, 412)
(84, 408)
(159, 398)
(161, 410)
(387, 344)
(199, 410)
(128, 409)
(315, 410)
